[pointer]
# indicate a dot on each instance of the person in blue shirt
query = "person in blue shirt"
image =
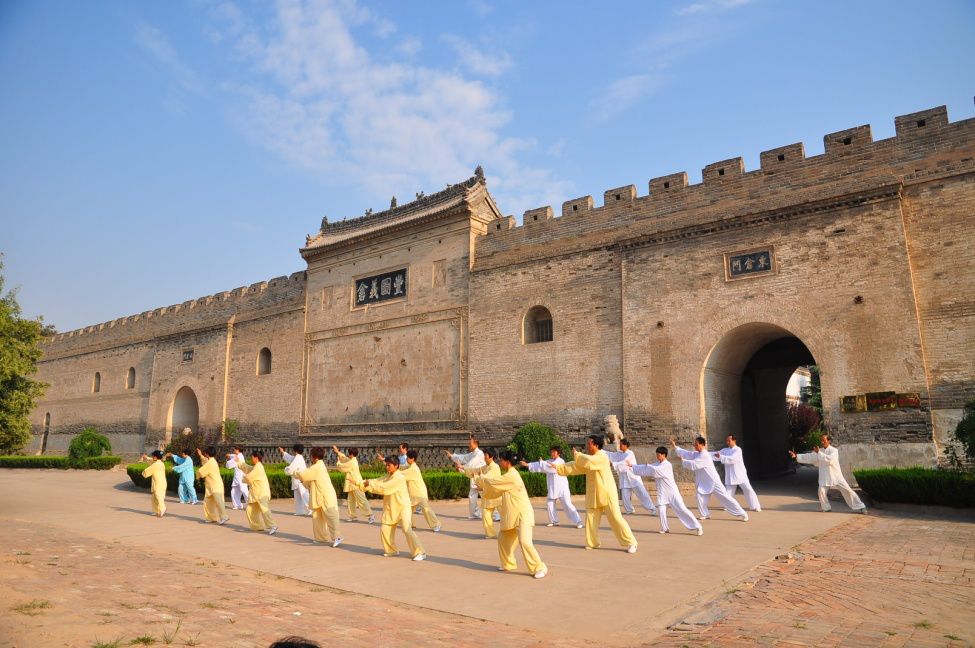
(183, 467)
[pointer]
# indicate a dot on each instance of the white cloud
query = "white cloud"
(314, 95)
(409, 46)
(621, 94)
(153, 42)
(480, 7)
(476, 61)
(709, 5)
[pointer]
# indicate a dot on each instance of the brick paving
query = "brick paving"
(887, 579)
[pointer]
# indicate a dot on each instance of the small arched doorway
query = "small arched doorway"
(185, 412)
(743, 392)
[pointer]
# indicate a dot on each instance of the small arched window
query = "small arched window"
(130, 379)
(537, 326)
(264, 362)
(47, 423)
(96, 384)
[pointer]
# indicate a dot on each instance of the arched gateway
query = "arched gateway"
(184, 413)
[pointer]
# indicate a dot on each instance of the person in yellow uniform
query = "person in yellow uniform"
(213, 506)
(354, 498)
(489, 505)
(419, 497)
(396, 509)
(157, 471)
(258, 495)
(517, 516)
(601, 495)
(322, 500)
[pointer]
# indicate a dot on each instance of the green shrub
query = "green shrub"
(190, 442)
(533, 441)
(919, 486)
(89, 444)
(63, 463)
(965, 431)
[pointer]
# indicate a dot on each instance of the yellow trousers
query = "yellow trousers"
(259, 515)
(213, 508)
(158, 502)
(325, 523)
(616, 522)
(428, 513)
(487, 518)
(520, 535)
(388, 531)
(356, 499)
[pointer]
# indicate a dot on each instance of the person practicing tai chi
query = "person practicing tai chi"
(401, 452)
(489, 505)
(419, 497)
(827, 458)
(630, 483)
(322, 499)
(707, 479)
(214, 509)
(667, 492)
(296, 462)
(183, 467)
(472, 459)
(735, 474)
(601, 495)
(396, 509)
(157, 471)
(355, 499)
(238, 488)
(517, 516)
(558, 487)
(258, 495)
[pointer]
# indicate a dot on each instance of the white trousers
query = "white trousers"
(751, 499)
(730, 503)
(641, 494)
(852, 500)
(238, 495)
(301, 500)
(472, 501)
(680, 510)
(570, 509)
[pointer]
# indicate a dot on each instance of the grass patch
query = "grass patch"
(169, 636)
(195, 641)
(208, 605)
(923, 625)
(953, 637)
(32, 608)
(107, 644)
(144, 640)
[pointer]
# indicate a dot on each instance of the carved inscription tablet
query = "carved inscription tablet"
(750, 263)
(380, 288)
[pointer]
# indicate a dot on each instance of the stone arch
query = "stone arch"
(743, 385)
(264, 362)
(537, 326)
(184, 412)
(130, 378)
(96, 383)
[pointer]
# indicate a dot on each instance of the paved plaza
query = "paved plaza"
(82, 546)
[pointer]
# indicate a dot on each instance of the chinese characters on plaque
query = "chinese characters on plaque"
(380, 288)
(879, 402)
(745, 264)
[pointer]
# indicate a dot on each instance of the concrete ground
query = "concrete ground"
(67, 531)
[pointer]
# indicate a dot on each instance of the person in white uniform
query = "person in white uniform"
(471, 460)
(827, 458)
(667, 492)
(296, 463)
(707, 479)
(735, 474)
(558, 487)
(238, 488)
(629, 482)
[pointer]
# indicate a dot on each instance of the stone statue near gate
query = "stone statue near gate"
(613, 431)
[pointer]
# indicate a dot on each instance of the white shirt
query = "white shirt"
(627, 478)
(828, 460)
(702, 463)
(472, 459)
(734, 465)
(663, 475)
(238, 473)
(558, 485)
(295, 463)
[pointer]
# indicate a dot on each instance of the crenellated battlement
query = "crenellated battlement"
(211, 310)
(851, 157)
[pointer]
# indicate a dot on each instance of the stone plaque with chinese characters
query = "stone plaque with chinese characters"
(751, 263)
(380, 288)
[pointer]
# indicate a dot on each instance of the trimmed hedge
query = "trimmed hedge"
(64, 463)
(441, 483)
(919, 486)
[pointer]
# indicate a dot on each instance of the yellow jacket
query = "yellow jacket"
(600, 486)
(321, 493)
(492, 470)
(349, 466)
(510, 490)
(414, 482)
(256, 478)
(396, 496)
(156, 470)
(209, 472)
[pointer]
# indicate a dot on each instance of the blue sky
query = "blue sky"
(154, 152)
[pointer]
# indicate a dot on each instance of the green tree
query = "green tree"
(812, 394)
(19, 352)
(965, 431)
(533, 440)
(89, 444)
